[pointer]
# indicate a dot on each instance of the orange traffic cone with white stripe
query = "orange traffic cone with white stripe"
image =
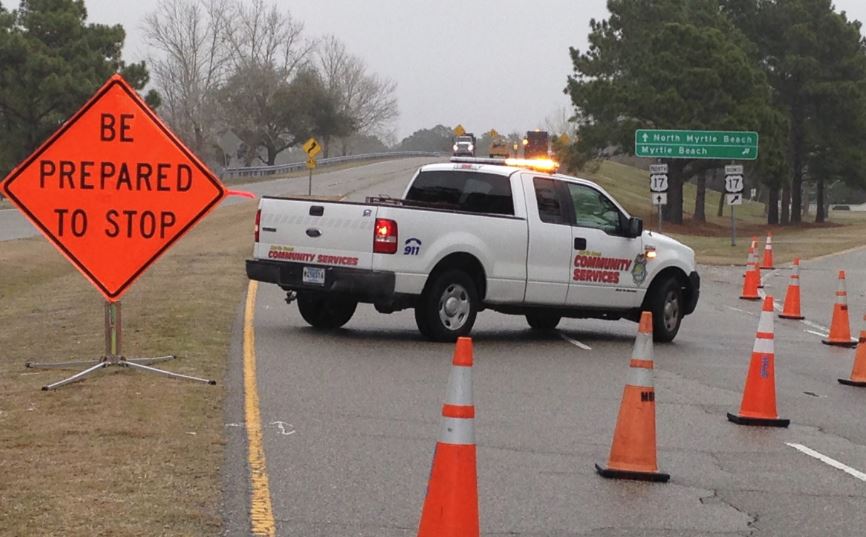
(750, 284)
(759, 394)
(858, 373)
(633, 451)
(840, 331)
(791, 309)
(451, 506)
(768, 253)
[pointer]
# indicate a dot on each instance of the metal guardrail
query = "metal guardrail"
(264, 171)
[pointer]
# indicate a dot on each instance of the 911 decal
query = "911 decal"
(412, 246)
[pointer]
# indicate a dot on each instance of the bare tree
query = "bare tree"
(560, 122)
(266, 49)
(191, 66)
(368, 99)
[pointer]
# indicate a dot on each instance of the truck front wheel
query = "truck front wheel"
(543, 321)
(448, 307)
(325, 312)
(666, 304)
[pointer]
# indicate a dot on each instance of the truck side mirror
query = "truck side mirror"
(635, 227)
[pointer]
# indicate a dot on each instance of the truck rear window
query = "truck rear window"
(472, 192)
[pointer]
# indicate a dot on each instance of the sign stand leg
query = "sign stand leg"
(660, 218)
(310, 184)
(112, 356)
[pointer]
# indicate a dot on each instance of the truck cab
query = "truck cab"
(464, 146)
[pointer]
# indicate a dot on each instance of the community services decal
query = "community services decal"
(594, 267)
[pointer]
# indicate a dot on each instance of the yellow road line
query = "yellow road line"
(261, 512)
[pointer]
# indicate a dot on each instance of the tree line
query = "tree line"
(246, 67)
(215, 67)
(793, 70)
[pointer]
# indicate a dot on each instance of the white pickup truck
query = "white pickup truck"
(469, 235)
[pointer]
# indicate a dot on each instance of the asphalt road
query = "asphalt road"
(13, 224)
(350, 418)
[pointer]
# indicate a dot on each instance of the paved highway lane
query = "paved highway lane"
(13, 225)
(350, 420)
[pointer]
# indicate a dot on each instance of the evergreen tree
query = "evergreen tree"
(51, 62)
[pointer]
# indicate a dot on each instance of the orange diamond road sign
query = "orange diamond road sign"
(113, 188)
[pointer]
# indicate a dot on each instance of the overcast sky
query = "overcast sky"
(482, 63)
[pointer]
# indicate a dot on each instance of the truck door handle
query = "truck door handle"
(317, 210)
(579, 244)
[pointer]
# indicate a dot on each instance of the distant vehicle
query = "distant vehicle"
(536, 144)
(464, 146)
(499, 147)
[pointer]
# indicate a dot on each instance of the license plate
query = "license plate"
(315, 275)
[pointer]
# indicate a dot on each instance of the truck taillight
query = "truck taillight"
(258, 224)
(385, 236)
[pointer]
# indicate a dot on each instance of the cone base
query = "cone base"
(797, 317)
(849, 382)
(749, 297)
(768, 268)
(839, 343)
(611, 473)
(760, 422)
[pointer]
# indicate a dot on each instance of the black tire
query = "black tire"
(666, 305)
(325, 312)
(543, 321)
(448, 307)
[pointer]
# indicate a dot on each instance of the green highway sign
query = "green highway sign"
(722, 145)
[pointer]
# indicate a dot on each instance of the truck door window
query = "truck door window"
(466, 191)
(593, 209)
(550, 209)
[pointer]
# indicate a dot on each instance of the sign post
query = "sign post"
(113, 189)
(659, 188)
(312, 148)
(733, 194)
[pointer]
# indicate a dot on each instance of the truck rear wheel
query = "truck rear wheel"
(448, 307)
(543, 321)
(325, 312)
(666, 304)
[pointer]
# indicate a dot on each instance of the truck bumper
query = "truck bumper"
(694, 291)
(364, 285)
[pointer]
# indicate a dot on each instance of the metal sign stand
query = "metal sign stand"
(113, 356)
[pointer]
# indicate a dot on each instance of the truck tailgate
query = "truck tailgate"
(316, 232)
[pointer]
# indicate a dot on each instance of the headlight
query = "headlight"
(455, 147)
(471, 147)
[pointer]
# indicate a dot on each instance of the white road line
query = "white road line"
(575, 342)
(738, 309)
(819, 334)
(816, 326)
(827, 460)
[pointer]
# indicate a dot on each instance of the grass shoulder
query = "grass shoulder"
(120, 453)
(711, 240)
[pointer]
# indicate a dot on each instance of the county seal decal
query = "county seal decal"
(638, 271)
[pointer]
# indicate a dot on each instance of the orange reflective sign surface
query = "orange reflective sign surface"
(113, 188)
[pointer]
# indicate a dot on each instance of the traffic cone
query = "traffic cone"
(451, 506)
(750, 260)
(633, 451)
(791, 309)
(750, 284)
(768, 253)
(759, 394)
(840, 333)
(858, 373)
